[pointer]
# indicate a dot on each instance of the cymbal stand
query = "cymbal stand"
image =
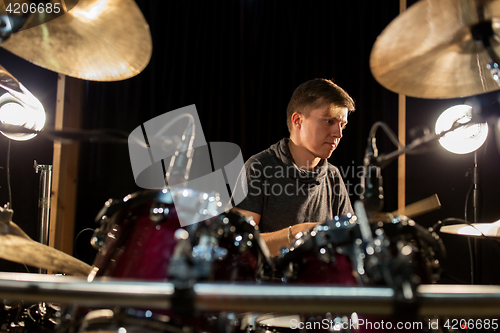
(477, 254)
(45, 190)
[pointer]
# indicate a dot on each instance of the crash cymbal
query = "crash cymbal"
(429, 52)
(474, 229)
(28, 252)
(98, 40)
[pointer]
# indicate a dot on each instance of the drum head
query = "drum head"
(277, 323)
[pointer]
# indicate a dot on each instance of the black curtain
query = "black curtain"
(239, 62)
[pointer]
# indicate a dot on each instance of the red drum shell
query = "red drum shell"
(315, 258)
(136, 247)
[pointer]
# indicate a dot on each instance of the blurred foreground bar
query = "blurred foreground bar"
(432, 300)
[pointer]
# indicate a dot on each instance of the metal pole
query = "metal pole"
(45, 190)
(460, 301)
(476, 198)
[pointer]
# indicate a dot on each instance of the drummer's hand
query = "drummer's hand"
(247, 213)
(277, 239)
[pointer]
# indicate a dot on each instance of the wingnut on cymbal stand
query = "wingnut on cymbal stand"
(45, 191)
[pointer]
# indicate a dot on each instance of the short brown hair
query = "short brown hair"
(314, 93)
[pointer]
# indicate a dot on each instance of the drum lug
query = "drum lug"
(158, 213)
(209, 249)
(99, 237)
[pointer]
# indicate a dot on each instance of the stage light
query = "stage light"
(25, 111)
(465, 139)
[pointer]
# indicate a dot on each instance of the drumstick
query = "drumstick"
(364, 224)
(420, 207)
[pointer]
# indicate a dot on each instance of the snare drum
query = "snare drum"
(233, 245)
(335, 253)
(323, 255)
(401, 252)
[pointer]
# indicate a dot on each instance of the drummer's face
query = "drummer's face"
(321, 131)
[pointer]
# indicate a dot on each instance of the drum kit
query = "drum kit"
(152, 275)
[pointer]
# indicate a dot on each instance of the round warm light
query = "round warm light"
(465, 139)
(14, 112)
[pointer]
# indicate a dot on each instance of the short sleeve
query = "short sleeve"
(341, 203)
(254, 200)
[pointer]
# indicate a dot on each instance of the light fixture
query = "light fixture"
(465, 139)
(23, 110)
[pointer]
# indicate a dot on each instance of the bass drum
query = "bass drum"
(141, 238)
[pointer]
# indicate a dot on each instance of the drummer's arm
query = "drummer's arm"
(277, 239)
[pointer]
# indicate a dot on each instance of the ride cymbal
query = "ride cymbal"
(97, 40)
(429, 51)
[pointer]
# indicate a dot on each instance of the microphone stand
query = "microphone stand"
(373, 198)
(372, 160)
(44, 195)
(180, 163)
(383, 160)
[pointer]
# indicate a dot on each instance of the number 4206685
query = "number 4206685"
(33, 8)
(456, 324)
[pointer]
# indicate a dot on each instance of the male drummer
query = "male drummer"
(291, 185)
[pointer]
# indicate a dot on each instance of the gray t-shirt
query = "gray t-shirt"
(285, 195)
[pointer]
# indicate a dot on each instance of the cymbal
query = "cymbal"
(97, 40)
(17, 246)
(474, 229)
(28, 252)
(70, 135)
(428, 51)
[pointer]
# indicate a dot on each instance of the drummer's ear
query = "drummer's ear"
(296, 120)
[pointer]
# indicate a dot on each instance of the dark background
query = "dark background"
(239, 62)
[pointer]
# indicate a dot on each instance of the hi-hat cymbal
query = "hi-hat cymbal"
(17, 246)
(26, 251)
(429, 51)
(474, 229)
(98, 40)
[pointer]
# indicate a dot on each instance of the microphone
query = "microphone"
(373, 192)
(11, 24)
